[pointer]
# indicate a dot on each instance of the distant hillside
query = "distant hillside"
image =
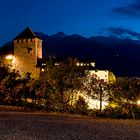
(7, 48)
(122, 56)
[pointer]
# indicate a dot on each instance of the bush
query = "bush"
(122, 113)
(81, 107)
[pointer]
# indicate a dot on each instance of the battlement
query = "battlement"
(29, 40)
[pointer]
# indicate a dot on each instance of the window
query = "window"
(29, 50)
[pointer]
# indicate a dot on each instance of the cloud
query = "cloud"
(121, 32)
(131, 9)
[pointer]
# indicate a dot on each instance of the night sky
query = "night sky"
(84, 17)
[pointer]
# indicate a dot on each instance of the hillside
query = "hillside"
(118, 55)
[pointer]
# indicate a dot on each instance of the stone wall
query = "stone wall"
(26, 52)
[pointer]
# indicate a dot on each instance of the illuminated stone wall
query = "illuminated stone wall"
(26, 52)
(105, 75)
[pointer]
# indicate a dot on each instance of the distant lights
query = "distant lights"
(85, 64)
(138, 102)
(78, 64)
(43, 64)
(56, 64)
(92, 64)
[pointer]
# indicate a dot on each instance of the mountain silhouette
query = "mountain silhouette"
(119, 55)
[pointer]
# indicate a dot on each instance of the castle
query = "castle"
(27, 51)
(27, 57)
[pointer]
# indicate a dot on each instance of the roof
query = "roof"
(26, 34)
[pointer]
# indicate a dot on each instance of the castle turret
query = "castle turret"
(27, 50)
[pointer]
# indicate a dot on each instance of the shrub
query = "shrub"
(120, 112)
(81, 106)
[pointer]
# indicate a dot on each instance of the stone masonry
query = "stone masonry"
(27, 50)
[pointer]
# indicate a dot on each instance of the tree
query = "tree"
(125, 93)
(3, 73)
(58, 83)
(81, 106)
(95, 88)
(11, 88)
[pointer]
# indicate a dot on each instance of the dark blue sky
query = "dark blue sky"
(85, 17)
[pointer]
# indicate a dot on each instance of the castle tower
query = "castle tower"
(27, 50)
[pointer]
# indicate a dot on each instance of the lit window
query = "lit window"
(78, 64)
(138, 102)
(56, 64)
(92, 64)
(43, 64)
